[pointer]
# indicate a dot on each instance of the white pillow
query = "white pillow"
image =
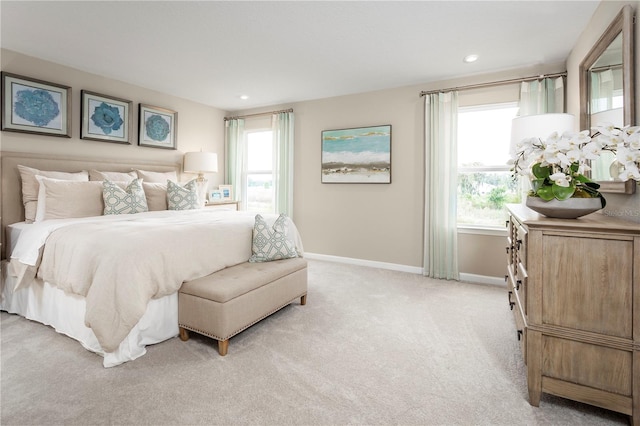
(112, 176)
(62, 199)
(123, 201)
(183, 197)
(30, 186)
(157, 177)
(156, 194)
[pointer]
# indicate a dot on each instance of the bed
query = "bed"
(109, 281)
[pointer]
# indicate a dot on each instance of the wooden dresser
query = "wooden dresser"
(574, 288)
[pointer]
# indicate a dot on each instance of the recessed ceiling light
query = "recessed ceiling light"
(470, 58)
(244, 97)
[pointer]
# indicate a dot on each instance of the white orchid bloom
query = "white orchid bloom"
(565, 145)
(607, 129)
(573, 156)
(560, 179)
(626, 155)
(592, 150)
(583, 168)
(631, 133)
(630, 171)
(551, 157)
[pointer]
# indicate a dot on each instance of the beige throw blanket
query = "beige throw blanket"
(120, 266)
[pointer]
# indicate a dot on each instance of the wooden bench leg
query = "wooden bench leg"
(223, 346)
(184, 334)
(303, 300)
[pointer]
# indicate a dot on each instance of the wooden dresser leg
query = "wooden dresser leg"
(303, 300)
(184, 334)
(223, 346)
(635, 418)
(534, 367)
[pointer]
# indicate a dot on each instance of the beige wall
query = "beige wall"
(199, 126)
(383, 223)
(627, 206)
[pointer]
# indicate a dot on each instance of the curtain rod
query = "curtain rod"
(495, 83)
(257, 114)
(606, 67)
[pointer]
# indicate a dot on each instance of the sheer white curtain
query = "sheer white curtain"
(235, 158)
(283, 131)
(602, 85)
(542, 96)
(441, 181)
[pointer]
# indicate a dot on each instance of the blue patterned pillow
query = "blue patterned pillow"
(182, 197)
(124, 201)
(271, 243)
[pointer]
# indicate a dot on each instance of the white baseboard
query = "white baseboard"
(361, 262)
(464, 277)
(482, 279)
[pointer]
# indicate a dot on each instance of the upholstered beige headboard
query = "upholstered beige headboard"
(11, 208)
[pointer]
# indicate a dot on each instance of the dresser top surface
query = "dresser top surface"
(592, 222)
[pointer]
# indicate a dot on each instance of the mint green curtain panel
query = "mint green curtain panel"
(542, 96)
(441, 182)
(235, 158)
(283, 134)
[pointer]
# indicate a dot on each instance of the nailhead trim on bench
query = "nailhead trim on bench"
(243, 328)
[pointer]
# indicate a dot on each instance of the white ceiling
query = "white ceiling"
(280, 52)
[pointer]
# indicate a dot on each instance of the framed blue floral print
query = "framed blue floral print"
(105, 118)
(35, 106)
(157, 127)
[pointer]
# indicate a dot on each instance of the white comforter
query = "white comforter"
(119, 263)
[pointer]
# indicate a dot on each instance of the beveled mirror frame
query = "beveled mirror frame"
(622, 23)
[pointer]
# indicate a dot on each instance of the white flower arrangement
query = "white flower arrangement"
(557, 166)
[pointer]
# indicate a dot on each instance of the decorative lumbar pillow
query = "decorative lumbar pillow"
(182, 197)
(124, 201)
(271, 243)
(157, 177)
(112, 176)
(156, 194)
(63, 199)
(30, 186)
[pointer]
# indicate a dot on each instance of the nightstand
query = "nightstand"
(222, 205)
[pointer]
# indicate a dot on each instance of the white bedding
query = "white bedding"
(203, 256)
(13, 233)
(51, 306)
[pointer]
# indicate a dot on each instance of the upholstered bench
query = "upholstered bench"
(227, 302)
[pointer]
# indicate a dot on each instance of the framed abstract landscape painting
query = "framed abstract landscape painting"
(105, 118)
(357, 155)
(35, 106)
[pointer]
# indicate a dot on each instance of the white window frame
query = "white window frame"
(245, 170)
(484, 229)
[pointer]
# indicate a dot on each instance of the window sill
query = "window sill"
(479, 230)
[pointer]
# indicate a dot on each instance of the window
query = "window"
(259, 176)
(485, 184)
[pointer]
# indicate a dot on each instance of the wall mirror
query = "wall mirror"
(607, 92)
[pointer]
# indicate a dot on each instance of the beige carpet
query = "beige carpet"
(370, 347)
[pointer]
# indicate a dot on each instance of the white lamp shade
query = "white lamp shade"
(540, 126)
(200, 162)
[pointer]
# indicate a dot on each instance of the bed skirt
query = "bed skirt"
(49, 305)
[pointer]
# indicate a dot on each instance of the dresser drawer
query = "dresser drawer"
(521, 329)
(596, 366)
(521, 285)
(521, 245)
